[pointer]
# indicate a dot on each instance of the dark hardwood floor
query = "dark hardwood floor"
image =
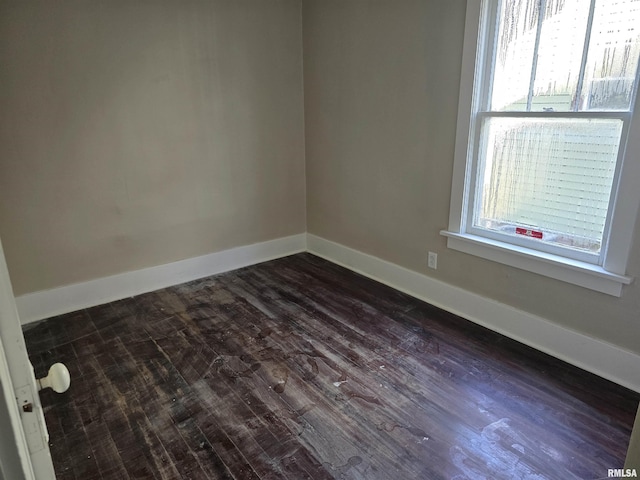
(297, 368)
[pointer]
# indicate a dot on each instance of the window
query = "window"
(546, 170)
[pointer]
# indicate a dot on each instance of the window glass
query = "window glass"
(560, 48)
(514, 55)
(547, 179)
(613, 56)
(538, 64)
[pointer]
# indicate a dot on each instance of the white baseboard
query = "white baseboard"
(588, 353)
(593, 355)
(48, 303)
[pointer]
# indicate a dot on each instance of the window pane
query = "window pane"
(547, 179)
(562, 38)
(555, 53)
(613, 56)
(514, 54)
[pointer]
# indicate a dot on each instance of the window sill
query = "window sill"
(586, 275)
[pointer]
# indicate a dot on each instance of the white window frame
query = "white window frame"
(607, 277)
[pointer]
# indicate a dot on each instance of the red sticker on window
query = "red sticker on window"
(528, 232)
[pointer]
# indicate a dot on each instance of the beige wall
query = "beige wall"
(136, 133)
(381, 94)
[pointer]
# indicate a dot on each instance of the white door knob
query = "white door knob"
(57, 379)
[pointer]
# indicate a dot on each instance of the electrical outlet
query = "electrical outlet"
(433, 260)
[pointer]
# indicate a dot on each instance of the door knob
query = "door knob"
(57, 379)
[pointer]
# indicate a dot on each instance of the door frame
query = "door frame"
(19, 388)
(14, 462)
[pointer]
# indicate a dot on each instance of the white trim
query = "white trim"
(31, 436)
(588, 353)
(15, 430)
(584, 274)
(602, 358)
(464, 135)
(47, 303)
(627, 201)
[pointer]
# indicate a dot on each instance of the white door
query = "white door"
(24, 451)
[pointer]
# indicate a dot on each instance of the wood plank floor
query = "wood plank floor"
(299, 369)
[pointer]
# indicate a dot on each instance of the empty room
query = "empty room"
(319, 239)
